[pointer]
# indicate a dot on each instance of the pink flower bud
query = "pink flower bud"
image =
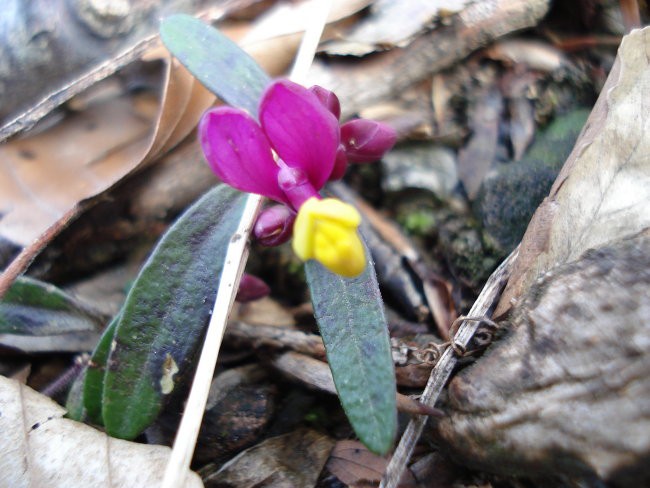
(251, 288)
(366, 140)
(340, 164)
(274, 225)
(328, 99)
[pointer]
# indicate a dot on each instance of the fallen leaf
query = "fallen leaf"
(353, 464)
(274, 37)
(535, 54)
(563, 394)
(392, 24)
(39, 447)
(478, 24)
(45, 175)
(603, 190)
(479, 154)
(292, 460)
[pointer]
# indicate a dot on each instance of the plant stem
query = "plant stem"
(443, 369)
(235, 261)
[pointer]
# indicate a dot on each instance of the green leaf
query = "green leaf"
(34, 308)
(215, 61)
(166, 312)
(74, 401)
(350, 316)
(93, 383)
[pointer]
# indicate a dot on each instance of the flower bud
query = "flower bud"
(340, 164)
(327, 231)
(328, 99)
(366, 140)
(251, 288)
(274, 225)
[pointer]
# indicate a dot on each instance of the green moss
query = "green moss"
(509, 197)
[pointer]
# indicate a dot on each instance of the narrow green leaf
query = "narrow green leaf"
(350, 316)
(166, 312)
(215, 61)
(93, 383)
(33, 308)
(74, 401)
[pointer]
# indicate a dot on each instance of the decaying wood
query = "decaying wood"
(443, 369)
(317, 374)
(480, 23)
(603, 189)
(565, 394)
(46, 65)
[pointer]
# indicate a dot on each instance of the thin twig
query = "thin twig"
(235, 261)
(442, 371)
(21, 262)
(188, 431)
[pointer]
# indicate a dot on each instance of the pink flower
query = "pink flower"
(294, 124)
(288, 156)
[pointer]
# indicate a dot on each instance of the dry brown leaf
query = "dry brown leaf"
(39, 447)
(292, 18)
(288, 461)
(47, 174)
(534, 54)
(478, 24)
(353, 464)
(274, 37)
(393, 24)
(603, 191)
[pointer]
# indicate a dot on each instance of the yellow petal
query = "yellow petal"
(327, 230)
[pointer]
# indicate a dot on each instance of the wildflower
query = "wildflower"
(288, 157)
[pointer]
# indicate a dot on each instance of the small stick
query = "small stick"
(442, 371)
(235, 261)
(21, 262)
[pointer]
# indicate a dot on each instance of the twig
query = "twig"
(235, 261)
(188, 431)
(21, 262)
(443, 369)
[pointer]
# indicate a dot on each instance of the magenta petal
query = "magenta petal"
(303, 132)
(328, 99)
(366, 140)
(251, 288)
(274, 225)
(340, 165)
(239, 152)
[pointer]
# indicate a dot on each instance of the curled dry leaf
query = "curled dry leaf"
(392, 24)
(39, 447)
(292, 460)
(564, 394)
(274, 38)
(603, 190)
(475, 26)
(355, 465)
(44, 176)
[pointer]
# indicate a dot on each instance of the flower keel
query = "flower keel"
(327, 230)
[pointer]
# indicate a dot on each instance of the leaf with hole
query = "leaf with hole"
(166, 313)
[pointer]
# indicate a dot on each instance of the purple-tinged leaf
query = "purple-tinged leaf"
(303, 132)
(215, 61)
(239, 152)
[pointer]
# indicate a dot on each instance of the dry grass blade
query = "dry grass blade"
(235, 261)
(443, 369)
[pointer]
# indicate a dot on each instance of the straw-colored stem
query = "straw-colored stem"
(235, 261)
